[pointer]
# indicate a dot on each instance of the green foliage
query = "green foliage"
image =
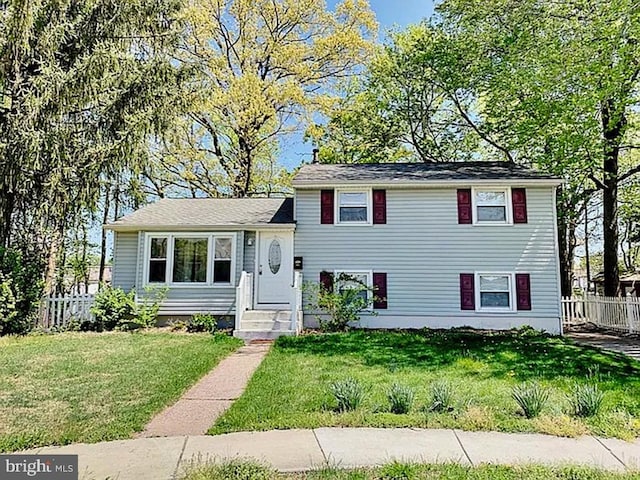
(400, 398)
(235, 469)
(20, 290)
(348, 394)
(112, 307)
(202, 322)
(442, 397)
(531, 397)
(343, 304)
(585, 399)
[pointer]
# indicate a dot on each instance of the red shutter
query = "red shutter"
(519, 204)
(379, 206)
(326, 207)
(523, 291)
(467, 292)
(326, 281)
(380, 291)
(464, 205)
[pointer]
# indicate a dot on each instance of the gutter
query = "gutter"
(546, 182)
(188, 228)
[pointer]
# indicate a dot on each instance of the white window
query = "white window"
(490, 206)
(353, 206)
(494, 291)
(158, 260)
(346, 280)
(222, 260)
(190, 259)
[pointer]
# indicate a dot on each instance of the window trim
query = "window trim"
(336, 206)
(352, 272)
(512, 292)
(171, 236)
(507, 207)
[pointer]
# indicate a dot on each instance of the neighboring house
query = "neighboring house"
(444, 245)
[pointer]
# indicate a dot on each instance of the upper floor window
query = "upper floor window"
(490, 206)
(354, 206)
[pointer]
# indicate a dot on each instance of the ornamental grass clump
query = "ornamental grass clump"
(531, 397)
(586, 400)
(349, 394)
(400, 398)
(442, 397)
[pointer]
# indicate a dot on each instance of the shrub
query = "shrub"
(146, 312)
(111, 308)
(348, 393)
(531, 398)
(442, 397)
(20, 289)
(400, 398)
(202, 322)
(585, 400)
(343, 304)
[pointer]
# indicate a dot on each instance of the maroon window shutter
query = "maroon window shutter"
(380, 291)
(379, 207)
(523, 291)
(326, 281)
(326, 207)
(464, 205)
(467, 292)
(519, 203)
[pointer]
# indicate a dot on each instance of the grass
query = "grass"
(87, 387)
(291, 387)
(249, 470)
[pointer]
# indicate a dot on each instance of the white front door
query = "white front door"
(275, 267)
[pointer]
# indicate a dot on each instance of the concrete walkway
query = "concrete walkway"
(202, 404)
(628, 345)
(297, 450)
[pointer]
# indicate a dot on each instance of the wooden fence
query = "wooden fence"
(57, 311)
(615, 313)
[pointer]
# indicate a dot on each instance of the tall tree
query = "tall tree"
(551, 84)
(82, 85)
(265, 67)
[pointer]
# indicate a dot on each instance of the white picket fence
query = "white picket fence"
(615, 313)
(58, 310)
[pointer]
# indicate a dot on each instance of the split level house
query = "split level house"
(442, 244)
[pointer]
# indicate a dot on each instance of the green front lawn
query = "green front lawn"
(290, 388)
(248, 470)
(88, 387)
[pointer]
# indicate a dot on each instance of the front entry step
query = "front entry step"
(249, 335)
(264, 325)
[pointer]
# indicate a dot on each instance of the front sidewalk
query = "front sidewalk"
(296, 450)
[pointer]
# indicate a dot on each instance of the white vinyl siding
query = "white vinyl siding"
(125, 259)
(424, 249)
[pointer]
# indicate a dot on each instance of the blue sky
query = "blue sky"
(391, 14)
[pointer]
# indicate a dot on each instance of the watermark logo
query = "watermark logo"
(39, 467)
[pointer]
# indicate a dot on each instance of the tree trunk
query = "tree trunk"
(612, 127)
(566, 247)
(103, 237)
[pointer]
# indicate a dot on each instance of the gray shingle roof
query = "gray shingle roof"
(316, 174)
(209, 212)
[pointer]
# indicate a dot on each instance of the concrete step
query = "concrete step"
(265, 325)
(267, 315)
(250, 335)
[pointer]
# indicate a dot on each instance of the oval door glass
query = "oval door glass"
(275, 256)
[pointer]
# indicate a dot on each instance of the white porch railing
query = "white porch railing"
(615, 313)
(58, 310)
(244, 296)
(296, 303)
